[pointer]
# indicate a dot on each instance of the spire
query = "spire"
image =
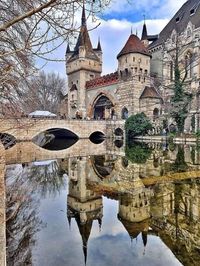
(84, 230)
(131, 30)
(83, 18)
(84, 39)
(69, 221)
(144, 31)
(100, 224)
(144, 238)
(99, 45)
(68, 48)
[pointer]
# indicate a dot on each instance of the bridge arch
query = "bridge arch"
(97, 137)
(7, 140)
(119, 132)
(56, 139)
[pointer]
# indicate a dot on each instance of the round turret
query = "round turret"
(134, 58)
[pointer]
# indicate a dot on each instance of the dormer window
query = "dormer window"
(192, 11)
(174, 38)
(189, 32)
(177, 19)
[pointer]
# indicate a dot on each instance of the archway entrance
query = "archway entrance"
(103, 108)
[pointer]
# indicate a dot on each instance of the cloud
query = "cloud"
(155, 9)
(114, 34)
(115, 30)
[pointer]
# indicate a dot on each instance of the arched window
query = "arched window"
(155, 113)
(188, 65)
(102, 108)
(124, 113)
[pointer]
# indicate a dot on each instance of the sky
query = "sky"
(115, 26)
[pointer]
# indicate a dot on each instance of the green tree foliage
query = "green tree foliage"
(180, 165)
(137, 125)
(181, 99)
(138, 152)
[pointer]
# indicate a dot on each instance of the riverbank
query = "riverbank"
(2, 209)
(177, 140)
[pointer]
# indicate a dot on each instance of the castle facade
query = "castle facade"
(142, 82)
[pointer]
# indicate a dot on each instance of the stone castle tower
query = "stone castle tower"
(82, 65)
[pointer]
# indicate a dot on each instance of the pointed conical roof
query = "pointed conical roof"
(84, 40)
(84, 230)
(144, 32)
(68, 49)
(99, 45)
(144, 238)
(134, 45)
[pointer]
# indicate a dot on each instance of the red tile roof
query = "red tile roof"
(133, 45)
(102, 81)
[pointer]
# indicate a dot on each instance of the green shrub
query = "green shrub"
(137, 125)
(137, 152)
(197, 133)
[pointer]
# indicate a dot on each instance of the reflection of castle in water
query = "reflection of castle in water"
(170, 210)
(82, 203)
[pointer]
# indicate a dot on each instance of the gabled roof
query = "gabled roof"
(190, 11)
(150, 92)
(133, 45)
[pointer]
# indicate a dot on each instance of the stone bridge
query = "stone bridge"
(25, 129)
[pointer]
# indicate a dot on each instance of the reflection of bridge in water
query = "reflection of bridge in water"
(24, 152)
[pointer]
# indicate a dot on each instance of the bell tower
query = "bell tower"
(82, 64)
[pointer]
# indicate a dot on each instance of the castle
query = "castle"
(144, 75)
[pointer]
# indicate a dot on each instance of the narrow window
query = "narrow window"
(171, 71)
(124, 113)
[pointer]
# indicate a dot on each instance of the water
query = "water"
(136, 205)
